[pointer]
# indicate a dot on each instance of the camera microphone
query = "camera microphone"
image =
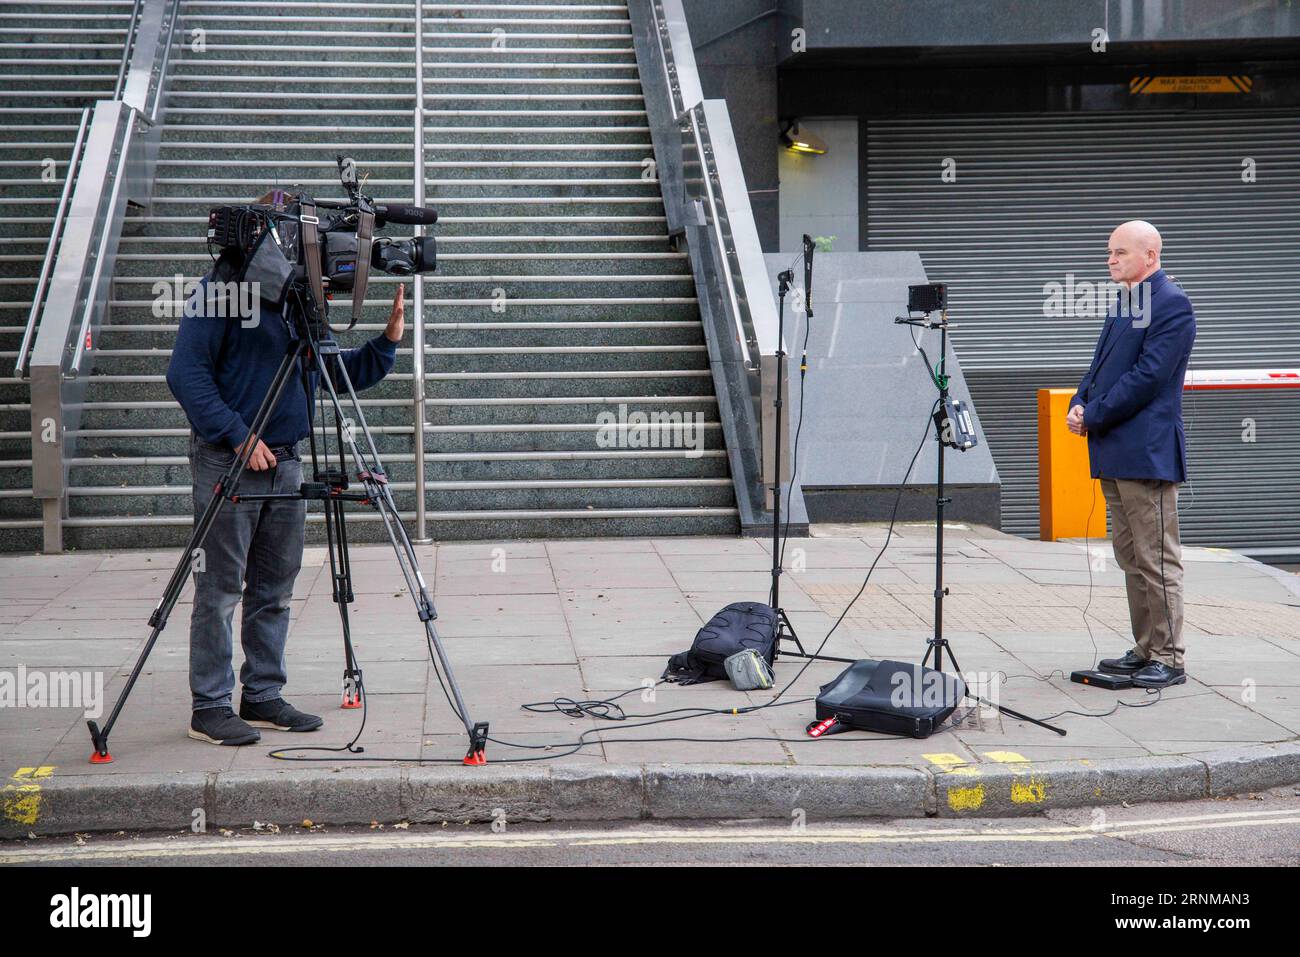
(405, 215)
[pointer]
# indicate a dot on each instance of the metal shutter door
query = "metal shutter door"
(1035, 199)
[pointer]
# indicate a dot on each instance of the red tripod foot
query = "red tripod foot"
(351, 690)
(477, 753)
(99, 741)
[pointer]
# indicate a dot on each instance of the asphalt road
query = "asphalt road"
(1260, 829)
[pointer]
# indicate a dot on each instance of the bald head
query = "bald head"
(1134, 252)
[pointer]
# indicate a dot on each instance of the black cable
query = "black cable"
(1157, 692)
(1164, 587)
(794, 452)
(889, 534)
(1096, 652)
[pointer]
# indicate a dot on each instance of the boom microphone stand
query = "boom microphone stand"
(319, 354)
(784, 627)
(928, 299)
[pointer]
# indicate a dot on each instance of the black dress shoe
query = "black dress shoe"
(1159, 675)
(1131, 663)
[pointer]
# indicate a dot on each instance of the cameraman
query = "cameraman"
(220, 371)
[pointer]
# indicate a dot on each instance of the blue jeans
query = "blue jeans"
(252, 553)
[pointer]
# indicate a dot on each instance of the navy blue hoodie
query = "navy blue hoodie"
(221, 370)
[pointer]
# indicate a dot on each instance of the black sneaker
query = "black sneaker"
(278, 715)
(1159, 675)
(220, 726)
(1131, 663)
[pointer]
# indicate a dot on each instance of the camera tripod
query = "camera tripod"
(311, 351)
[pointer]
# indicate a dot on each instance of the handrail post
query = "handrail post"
(417, 299)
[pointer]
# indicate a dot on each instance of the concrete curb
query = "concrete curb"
(110, 802)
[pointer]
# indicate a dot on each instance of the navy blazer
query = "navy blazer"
(1133, 392)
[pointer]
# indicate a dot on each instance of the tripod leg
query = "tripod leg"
(785, 631)
(226, 488)
(1016, 714)
(376, 482)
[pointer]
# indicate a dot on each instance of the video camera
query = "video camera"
(325, 245)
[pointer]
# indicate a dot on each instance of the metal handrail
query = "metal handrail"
(142, 94)
(156, 87)
(417, 297)
(101, 252)
(707, 177)
(707, 206)
(126, 50)
(117, 170)
(60, 213)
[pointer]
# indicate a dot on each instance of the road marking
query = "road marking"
(1026, 788)
(945, 760)
(959, 799)
(717, 835)
(20, 802)
(966, 799)
(1006, 757)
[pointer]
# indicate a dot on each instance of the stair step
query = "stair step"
(562, 330)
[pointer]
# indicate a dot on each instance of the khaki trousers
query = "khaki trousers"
(1151, 558)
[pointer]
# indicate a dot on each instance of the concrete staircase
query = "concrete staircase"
(56, 58)
(557, 298)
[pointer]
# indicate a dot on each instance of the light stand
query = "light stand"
(319, 354)
(928, 299)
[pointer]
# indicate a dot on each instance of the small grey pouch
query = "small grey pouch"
(269, 268)
(748, 671)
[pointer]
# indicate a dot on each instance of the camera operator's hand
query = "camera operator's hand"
(261, 458)
(396, 324)
(1074, 421)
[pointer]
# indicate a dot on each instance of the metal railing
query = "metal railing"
(117, 170)
(56, 230)
(707, 208)
(124, 65)
(417, 293)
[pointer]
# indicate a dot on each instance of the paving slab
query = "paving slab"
(535, 621)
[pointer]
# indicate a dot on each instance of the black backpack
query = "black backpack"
(742, 626)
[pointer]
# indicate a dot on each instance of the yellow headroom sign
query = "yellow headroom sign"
(1190, 84)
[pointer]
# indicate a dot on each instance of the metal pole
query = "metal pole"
(940, 500)
(417, 299)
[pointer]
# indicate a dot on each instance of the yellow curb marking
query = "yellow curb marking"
(1006, 757)
(959, 799)
(944, 759)
(966, 799)
(21, 802)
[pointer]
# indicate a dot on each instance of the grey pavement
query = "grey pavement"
(530, 621)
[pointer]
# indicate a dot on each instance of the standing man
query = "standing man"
(220, 371)
(1130, 406)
